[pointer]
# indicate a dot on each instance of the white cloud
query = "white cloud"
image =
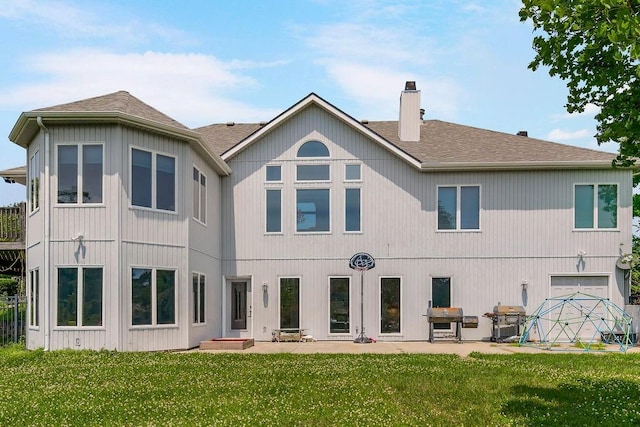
(194, 89)
(563, 135)
(370, 63)
(105, 22)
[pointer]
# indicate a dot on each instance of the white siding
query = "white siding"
(526, 232)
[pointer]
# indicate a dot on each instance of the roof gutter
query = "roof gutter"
(19, 137)
(509, 166)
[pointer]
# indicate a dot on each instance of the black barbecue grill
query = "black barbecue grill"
(450, 315)
(506, 320)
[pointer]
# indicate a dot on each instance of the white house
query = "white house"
(146, 235)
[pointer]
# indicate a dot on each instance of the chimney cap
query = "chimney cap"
(410, 85)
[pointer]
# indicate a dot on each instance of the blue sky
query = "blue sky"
(204, 62)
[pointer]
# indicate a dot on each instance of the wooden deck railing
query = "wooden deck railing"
(12, 223)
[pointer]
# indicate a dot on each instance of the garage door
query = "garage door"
(572, 316)
(590, 285)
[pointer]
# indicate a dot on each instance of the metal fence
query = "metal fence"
(13, 319)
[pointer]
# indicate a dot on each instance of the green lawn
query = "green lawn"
(108, 388)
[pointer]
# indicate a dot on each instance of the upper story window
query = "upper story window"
(274, 173)
(459, 207)
(199, 196)
(153, 180)
(313, 213)
(352, 172)
(80, 173)
(312, 172)
(596, 206)
(313, 149)
(34, 182)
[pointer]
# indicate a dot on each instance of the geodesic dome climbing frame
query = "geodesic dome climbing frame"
(579, 322)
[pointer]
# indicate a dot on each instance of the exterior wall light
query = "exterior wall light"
(524, 284)
(265, 286)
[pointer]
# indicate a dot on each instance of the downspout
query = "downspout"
(47, 238)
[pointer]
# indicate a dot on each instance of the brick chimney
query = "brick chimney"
(410, 120)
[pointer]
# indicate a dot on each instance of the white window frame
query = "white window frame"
(154, 188)
(300, 311)
(345, 211)
(196, 308)
(402, 310)
(273, 181)
(458, 228)
(34, 293)
(154, 298)
(266, 210)
(596, 186)
(79, 181)
(337, 334)
(201, 196)
(345, 172)
(80, 298)
(295, 217)
(33, 191)
(307, 181)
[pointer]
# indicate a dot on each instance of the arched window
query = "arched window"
(313, 149)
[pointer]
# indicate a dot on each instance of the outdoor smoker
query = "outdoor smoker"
(449, 315)
(506, 321)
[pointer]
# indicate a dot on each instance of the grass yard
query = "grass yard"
(108, 388)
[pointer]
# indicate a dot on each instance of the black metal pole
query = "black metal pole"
(362, 338)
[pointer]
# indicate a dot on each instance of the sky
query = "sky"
(204, 62)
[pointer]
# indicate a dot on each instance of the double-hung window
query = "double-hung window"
(198, 281)
(80, 173)
(153, 296)
(459, 207)
(153, 180)
(596, 206)
(80, 296)
(199, 196)
(34, 182)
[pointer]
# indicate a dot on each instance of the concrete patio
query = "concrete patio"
(462, 349)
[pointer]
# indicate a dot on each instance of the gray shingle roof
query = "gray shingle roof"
(443, 142)
(122, 102)
(440, 142)
(222, 136)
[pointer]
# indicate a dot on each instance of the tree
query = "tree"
(595, 46)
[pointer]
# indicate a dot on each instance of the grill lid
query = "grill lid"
(511, 310)
(444, 314)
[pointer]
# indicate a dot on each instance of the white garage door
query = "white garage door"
(572, 316)
(590, 285)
